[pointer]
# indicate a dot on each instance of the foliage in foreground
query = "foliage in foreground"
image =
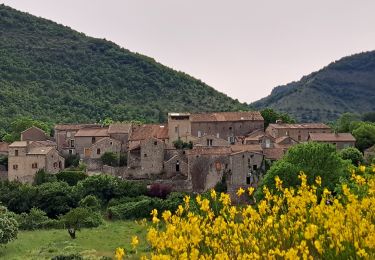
(291, 224)
(8, 226)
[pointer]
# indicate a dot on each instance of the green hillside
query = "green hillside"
(52, 73)
(347, 85)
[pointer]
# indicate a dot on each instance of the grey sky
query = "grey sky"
(242, 48)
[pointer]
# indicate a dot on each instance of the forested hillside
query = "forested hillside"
(347, 85)
(54, 74)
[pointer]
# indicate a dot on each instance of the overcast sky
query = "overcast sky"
(243, 48)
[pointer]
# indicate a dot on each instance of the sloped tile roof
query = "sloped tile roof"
(4, 147)
(246, 147)
(297, 126)
(214, 150)
(73, 127)
(274, 153)
(332, 137)
(226, 116)
(147, 131)
(119, 128)
(94, 132)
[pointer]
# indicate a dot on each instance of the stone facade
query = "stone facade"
(34, 134)
(25, 160)
(246, 170)
(104, 145)
(299, 132)
(339, 140)
(210, 140)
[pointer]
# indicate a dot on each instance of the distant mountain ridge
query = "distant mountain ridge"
(54, 74)
(347, 85)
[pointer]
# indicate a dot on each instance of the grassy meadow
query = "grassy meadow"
(94, 243)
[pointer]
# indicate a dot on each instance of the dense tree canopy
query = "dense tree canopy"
(271, 116)
(314, 159)
(52, 74)
(8, 226)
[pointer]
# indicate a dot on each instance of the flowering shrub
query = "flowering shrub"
(292, 223)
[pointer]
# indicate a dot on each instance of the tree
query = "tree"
(369, 117)
(343, 124)
(364, 134)
(271, 116)
(21, 124)
(55, 198)
(314, 159)
(101, 186)
(71, 177)
(8, 226)
(352, 154)
(90, 202)
(41, 176)
(110, 159)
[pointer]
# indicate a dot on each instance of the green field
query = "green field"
(90, 243)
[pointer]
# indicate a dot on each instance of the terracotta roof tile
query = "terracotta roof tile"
(226, 116)
(95, 132)
(119, 128)
(296, 126)
(274, 153)
(40, 150)
(143, 132)
(246, 147)
(332, 137)
(214, 150)
(72, 127)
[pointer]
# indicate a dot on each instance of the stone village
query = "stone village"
(191, 152)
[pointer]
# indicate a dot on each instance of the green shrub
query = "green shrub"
(131, 210)
(90, 202)
(71, 177)
(82, 217)
(72, 161)
(42, 176)
(352, 154)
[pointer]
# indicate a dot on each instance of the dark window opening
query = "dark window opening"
(15, 167)
(93, 140)
(155, 143)
(34, 166)
(255, 167)
(145, 155)
(248, 180)
(98, 151)
(16, 153)
(177, 166)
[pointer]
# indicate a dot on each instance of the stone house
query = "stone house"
(175, 164)
(206, 166)
(339, 140)
(84, 138)
(298, 132)
(26, 158)
(34, 134)
(104, 145)
(224, 125)
(120, 132)
(64, 137)
(246, 170)
(4, 148)
(209, 140)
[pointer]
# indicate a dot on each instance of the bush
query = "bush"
(352, 154)
(68, 257)
(71, 177)
(8, 226)
(131, 210)
(33, 220)
(114, 159)
(90, 202)
(42, 176)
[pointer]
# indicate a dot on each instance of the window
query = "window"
(111, 143)
(177, 166)
(71, 143)
(255, 167)
(248, 179)
(299, 137)
(145, 155)
(231, 139)
(199, 133)
(98, 151)
(155, 143)
(230, 128)
(15, 152)
(176, 129)
(34, 166)
(55, 165)
(60, 164)
(70, 151)
(209, 142)
(15, 167)
(93, 140)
